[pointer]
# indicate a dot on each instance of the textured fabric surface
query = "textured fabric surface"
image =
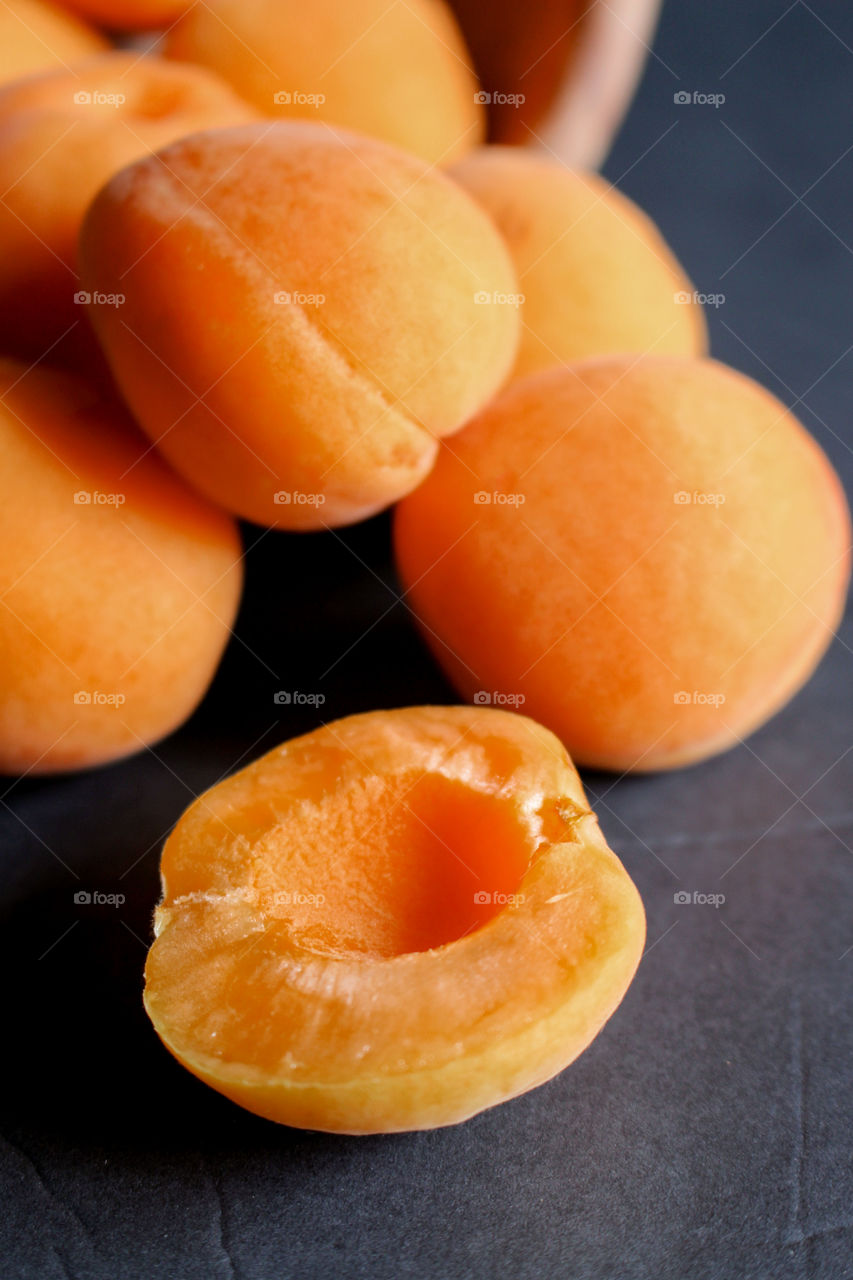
(706, 1133)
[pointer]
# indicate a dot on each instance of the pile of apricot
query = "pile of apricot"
(274, 273)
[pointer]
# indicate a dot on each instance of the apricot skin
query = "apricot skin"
(596, 274)
(129, 15)
(38, 37)
(398, 72)
(301, 318)
(666, 574)
(315, 1015)
(116, 605)
(56, 151)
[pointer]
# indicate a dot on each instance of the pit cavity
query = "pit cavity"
(390, 866)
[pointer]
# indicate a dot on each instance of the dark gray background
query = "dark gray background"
(707, 1132)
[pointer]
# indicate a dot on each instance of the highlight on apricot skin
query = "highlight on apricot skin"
(650, 556)
(303, 315)
(391, 923)
(399, 72)
(118, 584)
(39, 37)
(596, 275)
(62, 135)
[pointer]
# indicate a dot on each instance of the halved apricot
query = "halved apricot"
(391, 923)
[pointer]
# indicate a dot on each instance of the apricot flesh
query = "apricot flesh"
(649, 555)
(596, 275)
(38, 37)
(340, 284)
(399, 72)
(62, 135)
(391, 923)
(118, 584)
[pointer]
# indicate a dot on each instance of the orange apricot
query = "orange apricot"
(36, 36)
(118, 584)
(391, 923)
(62, 135)
(594, 272)
(648, 555)
(400, 72)
(129, 15)
(303, 315)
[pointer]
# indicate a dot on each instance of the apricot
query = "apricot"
(391, 923)
(304, 315)
(129, 15)
(62, 135)
(35, 37)
(648, 555)
(595, 273)
(400, 72)
(118, 584)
